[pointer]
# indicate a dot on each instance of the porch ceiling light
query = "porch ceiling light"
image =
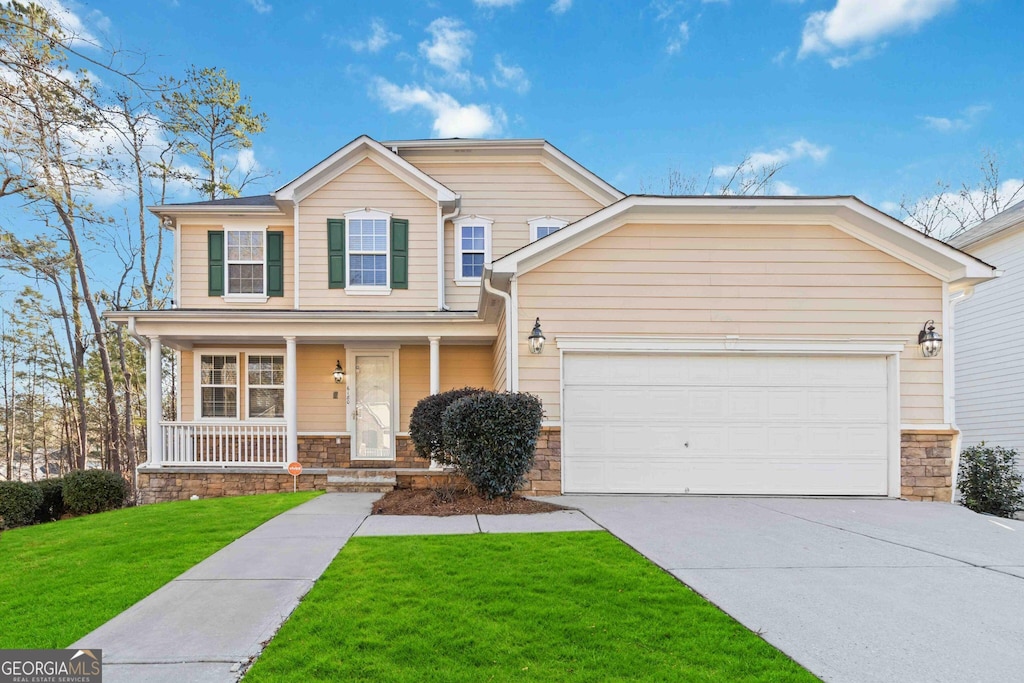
(339, 373)
(930, 340)
(536, 338)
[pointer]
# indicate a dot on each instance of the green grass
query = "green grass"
(513, 607)
(59, 581)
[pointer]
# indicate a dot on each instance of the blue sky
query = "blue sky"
(877, 98)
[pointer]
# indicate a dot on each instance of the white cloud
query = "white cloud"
(261, 6)
(451, 119)
(800, 149)
(510, 76)
(495, 3)
(784, 189)
(780, 56)
(968, 117)
(449, 45)
(379, 38)
(560, 6)
(860, 23)
(663, 9)
(676, 42)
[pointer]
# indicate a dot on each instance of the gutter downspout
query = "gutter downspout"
(950, 371)
(441, 220)
(507, 299)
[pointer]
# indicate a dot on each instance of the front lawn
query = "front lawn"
(59, 581)
(542, 607)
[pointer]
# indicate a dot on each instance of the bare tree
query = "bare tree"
(743, 179)
(946, 213)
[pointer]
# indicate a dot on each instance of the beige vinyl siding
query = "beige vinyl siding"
(319, 411)
(368, 185)
(761, 281)
(194, 276)
(509, 191)
(461, 366)
(499, 369)
(186, 382)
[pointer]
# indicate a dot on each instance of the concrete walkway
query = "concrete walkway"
(205, 625)
(854, 590)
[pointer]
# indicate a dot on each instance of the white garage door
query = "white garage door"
(672, 423)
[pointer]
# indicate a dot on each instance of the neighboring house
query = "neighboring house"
(989, 356)
(693, 344)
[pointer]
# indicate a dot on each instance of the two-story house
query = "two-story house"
(774, 345)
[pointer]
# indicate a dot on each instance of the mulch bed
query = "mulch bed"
(443, 503)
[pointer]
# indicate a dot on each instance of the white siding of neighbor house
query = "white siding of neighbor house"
(989, 356)
(748, 280)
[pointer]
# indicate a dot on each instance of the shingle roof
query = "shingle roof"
(256, 200)
(1003, 220)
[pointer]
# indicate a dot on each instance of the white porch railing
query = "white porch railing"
(231, 444)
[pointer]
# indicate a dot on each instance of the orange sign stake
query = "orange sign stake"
(295, 469)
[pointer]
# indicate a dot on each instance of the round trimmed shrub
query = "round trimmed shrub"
(18, 503)
(89, 491)
(492, 438)
(425, 428)
(990, 481)
(52, 507)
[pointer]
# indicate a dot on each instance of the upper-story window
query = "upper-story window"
(368, 252)
(472, 248)
(544, 226)
(246, 262)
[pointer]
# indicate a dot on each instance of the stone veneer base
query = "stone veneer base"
(926, 466)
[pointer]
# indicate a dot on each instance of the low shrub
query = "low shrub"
(990, 481)
(492, 438)
(425, 424)
(89, 491)
(52, 507)
(18, 503)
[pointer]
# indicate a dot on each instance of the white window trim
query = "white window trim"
(368, 290)
(239, 297)
(471, 221)
(197, 377)
(197, 383)
(249, 387)
(545, 222)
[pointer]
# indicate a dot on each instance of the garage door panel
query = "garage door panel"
(675, 423)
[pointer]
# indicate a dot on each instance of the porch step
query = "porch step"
(360, 481)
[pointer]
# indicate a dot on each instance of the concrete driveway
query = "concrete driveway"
(854, 590)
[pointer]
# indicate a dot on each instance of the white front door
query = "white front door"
(372, 405)
(739, 424)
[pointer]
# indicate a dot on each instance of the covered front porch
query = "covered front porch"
(255, 391)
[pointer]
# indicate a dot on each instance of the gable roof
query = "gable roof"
(552, 158)
(362, 147)
(1001, 222)
(846, 213)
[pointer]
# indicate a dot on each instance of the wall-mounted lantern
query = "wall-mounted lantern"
(536, 338)
(930, 340)
(339, 373)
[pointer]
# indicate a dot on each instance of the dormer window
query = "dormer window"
(472, 248)
(544, 226)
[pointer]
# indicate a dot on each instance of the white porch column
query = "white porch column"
(291, 403)
(435, 364)
(154, 402)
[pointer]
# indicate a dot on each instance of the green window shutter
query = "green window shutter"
(399, 253)
(215, 262)
(336, 253)
(275, 263)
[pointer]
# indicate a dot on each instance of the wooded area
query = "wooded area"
(88, 139)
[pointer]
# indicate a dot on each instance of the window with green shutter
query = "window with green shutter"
(275, 263)
(215, 262)
(399, 253)
(336, 253)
